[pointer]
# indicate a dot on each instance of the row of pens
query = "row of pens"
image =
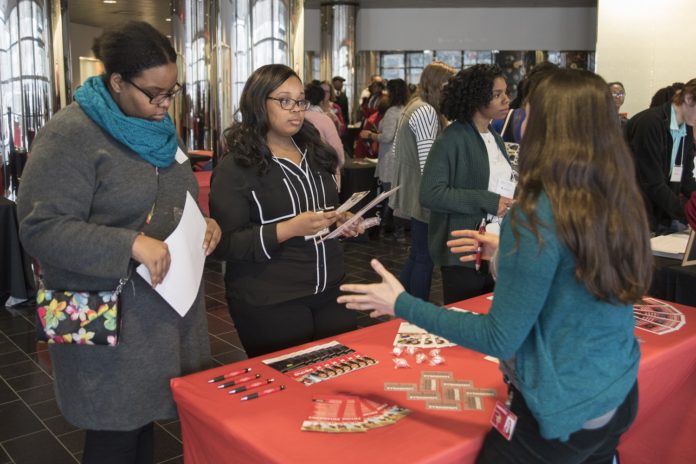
(245, 384)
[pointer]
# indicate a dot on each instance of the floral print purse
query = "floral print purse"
(82, 318)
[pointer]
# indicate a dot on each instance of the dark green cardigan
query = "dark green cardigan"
(454, 187)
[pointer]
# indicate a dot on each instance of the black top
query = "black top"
(649, 137)
(248, 207)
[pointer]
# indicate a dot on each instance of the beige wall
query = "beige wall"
(81, 40)
(467, 29)
(645, 44)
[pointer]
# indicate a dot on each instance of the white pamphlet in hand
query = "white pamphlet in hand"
(346, 225)
(352, 201)
(180, 286)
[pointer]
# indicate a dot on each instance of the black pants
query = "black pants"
(111, 447)
(263, 329)
(460, 282)
(595, 446)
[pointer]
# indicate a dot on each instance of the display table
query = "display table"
(356, 176)
(16, 276)
(217, 427)
(203, 178)
(674, 282)
(199, 159)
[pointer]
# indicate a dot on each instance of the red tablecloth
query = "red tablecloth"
(217, 427)
(203, 178)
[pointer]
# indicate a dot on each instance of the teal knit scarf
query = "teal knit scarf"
(154, 141)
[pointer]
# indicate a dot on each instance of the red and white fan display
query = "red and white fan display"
(657, 317)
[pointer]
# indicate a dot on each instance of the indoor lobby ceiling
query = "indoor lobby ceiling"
(99, 14)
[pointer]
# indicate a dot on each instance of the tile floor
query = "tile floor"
(32, 429)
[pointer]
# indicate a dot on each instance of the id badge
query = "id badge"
(180, 156)
(506, 188)
(676, 174)
(503, 420)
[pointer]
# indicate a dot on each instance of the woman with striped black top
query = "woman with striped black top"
(272, 193)
(421, 122)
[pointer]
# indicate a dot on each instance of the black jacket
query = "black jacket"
(248, 208)
(650, 140)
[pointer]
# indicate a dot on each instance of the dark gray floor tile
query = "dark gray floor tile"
(218, 347)
(25, 341)
(15, 325)
(73, 441)
(41, 447)
(46, 409)
(174, 428)
(212, 303)
(59, 426)
(4, 458)
(176, 460)
(231, 357)
(25, 382)
(166, 446)
(23, 421)
(217, 325)
(12, 357)
(20, 368)
(6, 393)
(232, 338)
(38, 394)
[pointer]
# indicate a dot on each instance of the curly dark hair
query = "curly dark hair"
(245, 139)
(468, 91)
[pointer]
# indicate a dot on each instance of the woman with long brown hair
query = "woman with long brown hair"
(574, 256)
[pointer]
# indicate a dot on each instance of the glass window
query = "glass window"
(451, 58)
(414, 75)
(270, 32)
(262, 15)
(393, 60)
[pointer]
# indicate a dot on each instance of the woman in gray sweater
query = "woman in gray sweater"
(106, 183)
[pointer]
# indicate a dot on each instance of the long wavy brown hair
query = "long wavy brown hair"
(573, 150)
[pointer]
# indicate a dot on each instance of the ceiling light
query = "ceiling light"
(109, 1)
(168, 19)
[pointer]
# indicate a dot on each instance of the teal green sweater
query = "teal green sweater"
(454, 187)
(575, 357)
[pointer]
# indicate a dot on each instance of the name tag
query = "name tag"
(506, 188)
(181, 157)
(676, 174)
(503, 420)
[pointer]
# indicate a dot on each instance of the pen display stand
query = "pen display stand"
(319, 363)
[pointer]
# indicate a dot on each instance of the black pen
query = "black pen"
(240, 381)
(250, 386)
(265, 392)
(230, 374)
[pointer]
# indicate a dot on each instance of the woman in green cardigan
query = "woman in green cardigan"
(467, 177)
(574, 256)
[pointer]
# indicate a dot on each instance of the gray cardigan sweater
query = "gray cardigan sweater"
(84, 197)
(407, 171)
(455, 187)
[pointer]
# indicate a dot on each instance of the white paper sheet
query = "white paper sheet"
(670, 246)
(180, 286)
(339, 230)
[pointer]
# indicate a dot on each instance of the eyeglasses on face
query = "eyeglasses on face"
(290, 103)
(618, 94)
(160, 97)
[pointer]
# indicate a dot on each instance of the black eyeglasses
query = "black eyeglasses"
(290, 103)
(160, 97)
